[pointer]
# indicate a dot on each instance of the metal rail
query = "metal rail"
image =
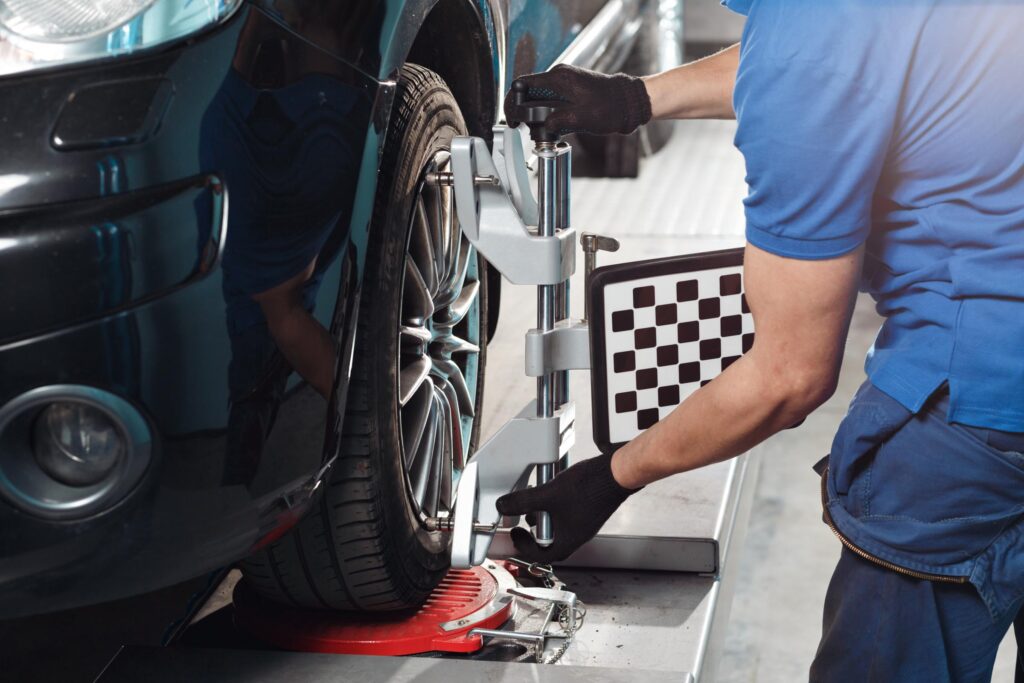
(603, 36)
(606, 42)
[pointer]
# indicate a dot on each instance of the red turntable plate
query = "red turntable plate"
(464, 600)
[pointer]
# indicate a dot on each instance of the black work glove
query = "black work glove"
(595, 103)
(580, 500)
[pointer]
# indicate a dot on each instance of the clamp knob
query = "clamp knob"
(534, 113)
(591, 245)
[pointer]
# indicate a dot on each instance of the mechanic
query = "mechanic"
(884, 146)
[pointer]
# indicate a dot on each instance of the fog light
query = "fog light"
(77, 444)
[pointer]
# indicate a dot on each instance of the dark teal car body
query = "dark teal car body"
(143, 197)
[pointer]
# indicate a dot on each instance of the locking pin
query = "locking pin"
(592, 244)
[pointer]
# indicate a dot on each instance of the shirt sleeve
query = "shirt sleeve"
(815, 142)
(738, 6)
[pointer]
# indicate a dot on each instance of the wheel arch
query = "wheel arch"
(459, 43)
(472, 66)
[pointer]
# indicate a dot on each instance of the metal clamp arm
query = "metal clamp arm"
(490, 220)
(501, 465)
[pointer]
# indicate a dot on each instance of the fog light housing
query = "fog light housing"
(70, 451)
(76, 443)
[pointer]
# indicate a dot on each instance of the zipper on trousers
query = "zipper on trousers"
(871, 558)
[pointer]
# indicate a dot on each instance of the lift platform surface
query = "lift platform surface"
(165, 665)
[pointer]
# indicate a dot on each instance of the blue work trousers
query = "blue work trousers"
(884, 626)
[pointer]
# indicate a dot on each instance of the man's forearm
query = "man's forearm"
(741, 408)
(802, 312)
(699, 90)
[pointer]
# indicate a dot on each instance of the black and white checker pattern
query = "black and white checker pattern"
(663, 336)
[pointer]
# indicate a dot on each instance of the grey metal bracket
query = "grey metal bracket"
(489, 213)
(501, 465)
(566, 347)
(510, 149)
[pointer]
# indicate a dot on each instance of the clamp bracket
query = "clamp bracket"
(510, 148)
(529, 240)
(501, 465)
(566, 347)
(522, 256)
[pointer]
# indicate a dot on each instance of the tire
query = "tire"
(364, 545)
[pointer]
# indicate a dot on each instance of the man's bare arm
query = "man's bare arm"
(802, 314)
(698, 90)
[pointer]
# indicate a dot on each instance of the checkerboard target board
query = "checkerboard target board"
(660, 330)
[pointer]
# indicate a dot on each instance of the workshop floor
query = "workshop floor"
(788, 555)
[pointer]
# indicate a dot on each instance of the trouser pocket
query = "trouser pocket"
(938, 491)
(872, 419)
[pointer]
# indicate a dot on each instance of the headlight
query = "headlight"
(76, 443)
(41, 33)
(67, 20)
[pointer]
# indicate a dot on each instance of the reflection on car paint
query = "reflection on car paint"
(278, 128)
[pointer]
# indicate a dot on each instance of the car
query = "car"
(238, 320)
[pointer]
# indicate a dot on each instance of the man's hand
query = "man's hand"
(601, 104)
(594, 102)
(580, 500)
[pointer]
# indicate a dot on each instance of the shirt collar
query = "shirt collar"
(739, 6)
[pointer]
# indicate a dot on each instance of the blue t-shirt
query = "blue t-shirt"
(900, 124)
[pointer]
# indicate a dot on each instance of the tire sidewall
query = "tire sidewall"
(437, 120)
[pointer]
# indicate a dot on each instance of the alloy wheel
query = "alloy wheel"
(439, 345)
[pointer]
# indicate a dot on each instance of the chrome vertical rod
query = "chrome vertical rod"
(562, 222)
(547, 204)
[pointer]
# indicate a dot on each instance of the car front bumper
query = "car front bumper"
(130, 247)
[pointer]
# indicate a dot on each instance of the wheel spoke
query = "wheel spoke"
(452, 344)
(411, 377)
(454, 375)
(417, 302)
(414, 336)
(453, 284)
(454, 314)
(434, 229)
(421, 246)
(449, 228)
(415, 416)
(431, 252)
(419, 472)
(443, 445)
(458, 452)
(447, 481)
(444, 475)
